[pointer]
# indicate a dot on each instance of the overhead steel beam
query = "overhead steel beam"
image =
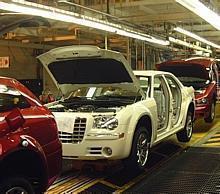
(138, 3)
(147, 10)
(26, 45)
(172, 17)
(209, 33)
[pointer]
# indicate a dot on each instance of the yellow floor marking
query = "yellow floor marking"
(78, 190)
(109, 184)
(213, 138)
(216, 144)
(216, 136)
(214, 141)
(67, 185)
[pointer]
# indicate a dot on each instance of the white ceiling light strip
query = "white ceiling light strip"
(35, 9)
(199, 38)
(201, 10)
(183, 43)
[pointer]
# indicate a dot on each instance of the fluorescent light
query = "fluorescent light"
(199, 38)
(35, 9)
(181, 42)
(139, 36)
(201, 10)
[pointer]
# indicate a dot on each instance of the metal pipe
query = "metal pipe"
(136, 54)
(144, 52)
(90, 9)
(26, 45)
(106, 41)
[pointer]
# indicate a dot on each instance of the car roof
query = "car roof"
(150, 72)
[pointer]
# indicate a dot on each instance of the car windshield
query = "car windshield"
(11, 98)
(144, 82)
(8, 90)
(195, 82)
(103, 92)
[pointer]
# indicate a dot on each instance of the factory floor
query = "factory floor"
(173, 167)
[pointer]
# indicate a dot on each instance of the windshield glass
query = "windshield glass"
(103, 92)
(196, 83)
(11, 98)
(145, 84)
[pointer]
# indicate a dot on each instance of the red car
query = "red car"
(30, 151)
(202, 74)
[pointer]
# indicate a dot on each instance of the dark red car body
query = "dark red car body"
(33, 149)
(204, 72)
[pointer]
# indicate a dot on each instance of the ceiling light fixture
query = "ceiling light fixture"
(25, 7)
(201, 10)
(187, 44)
(199, 38)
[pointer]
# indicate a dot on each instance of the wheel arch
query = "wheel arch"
(27, 163)
(133, 161)
(145, 121)
(191, 108)
(214, 97)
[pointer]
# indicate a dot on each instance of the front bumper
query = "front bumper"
(97, 146)
(202, 111)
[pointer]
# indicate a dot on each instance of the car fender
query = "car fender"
(189, 99)
(17, 142)
(27, 148)
(212, 92)
(140, 111)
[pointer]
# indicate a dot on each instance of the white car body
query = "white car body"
(111, 136)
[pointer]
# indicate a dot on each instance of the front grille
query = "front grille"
(78, 132)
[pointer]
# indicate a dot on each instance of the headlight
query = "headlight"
(105, 122)
(202, 101)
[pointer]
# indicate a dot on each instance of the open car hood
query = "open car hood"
(71, 67)
(184, 69)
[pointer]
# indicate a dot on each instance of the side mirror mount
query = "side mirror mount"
(14, 119)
